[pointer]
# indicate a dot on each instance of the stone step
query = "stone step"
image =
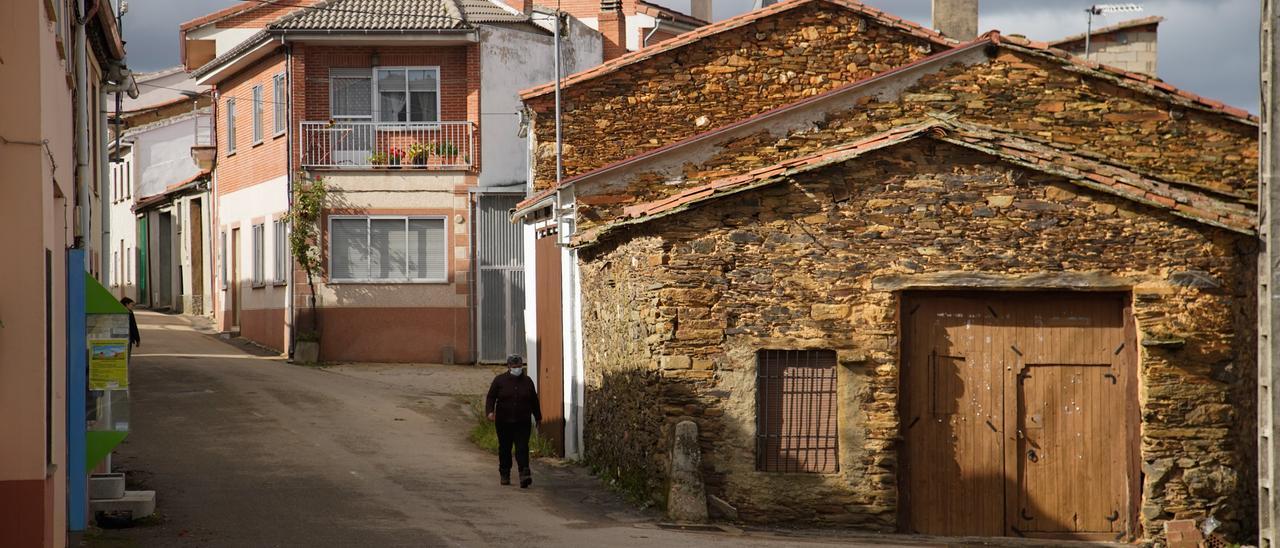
(106, 486)
(139, 504)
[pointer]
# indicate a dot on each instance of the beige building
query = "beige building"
(1129, 45)
(42, 188)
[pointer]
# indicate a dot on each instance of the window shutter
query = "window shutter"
(349, 245)
(280, 96)
(387, 249)
(429, 249)
(257, 113)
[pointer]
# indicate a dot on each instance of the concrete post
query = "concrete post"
(1268, 277)
(686, 494)
(957, 19)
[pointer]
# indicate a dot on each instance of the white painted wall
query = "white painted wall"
(121, 252)
(163, 153)
(224, 39)
(262, 203)
(512, 60)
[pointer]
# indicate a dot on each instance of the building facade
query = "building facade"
(974, 254)
(414, 127)
(52, 147)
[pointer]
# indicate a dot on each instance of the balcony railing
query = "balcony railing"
(394, 145)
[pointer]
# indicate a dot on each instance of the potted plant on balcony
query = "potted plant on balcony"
(378, 159)
(394, 155)
(447, 150)
(419, 155)
(309, 198)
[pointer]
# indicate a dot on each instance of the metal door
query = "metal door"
(500, 265)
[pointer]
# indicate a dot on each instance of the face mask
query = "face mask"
(517, 371)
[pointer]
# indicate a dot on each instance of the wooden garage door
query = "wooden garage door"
(1018, 415)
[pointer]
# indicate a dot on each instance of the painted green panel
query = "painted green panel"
(99, 444)
(97, 300)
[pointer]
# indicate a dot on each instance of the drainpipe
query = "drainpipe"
(82, 173)
(288, 146)
(657, 22)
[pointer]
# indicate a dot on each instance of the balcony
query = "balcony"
(388, 145)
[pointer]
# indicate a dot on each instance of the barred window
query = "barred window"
(796, 411)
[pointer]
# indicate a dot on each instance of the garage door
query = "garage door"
(1019, 415)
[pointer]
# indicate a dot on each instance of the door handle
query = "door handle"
(1032, 455)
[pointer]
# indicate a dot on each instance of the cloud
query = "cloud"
(151, 30)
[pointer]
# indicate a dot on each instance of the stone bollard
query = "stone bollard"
(686, 495)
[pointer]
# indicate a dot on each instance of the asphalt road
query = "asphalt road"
(245, 450)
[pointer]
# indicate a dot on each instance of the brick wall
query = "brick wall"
(725, 77)
(250, 163)
(674, 310)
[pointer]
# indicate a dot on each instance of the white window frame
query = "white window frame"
(376, 97)
(231, 126)
(448, 249)
(280, 241)
(373, 97)
(257, 114)
(258, 233)
(280, 107)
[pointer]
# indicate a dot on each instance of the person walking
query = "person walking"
(511, 401)
(134, 338)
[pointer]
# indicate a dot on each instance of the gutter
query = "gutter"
(82, 126)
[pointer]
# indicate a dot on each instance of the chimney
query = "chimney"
(957, 19)
(613, 29)
(701, 9)
(523, 6)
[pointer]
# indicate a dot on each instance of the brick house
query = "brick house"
(929, 275)
(412, 120)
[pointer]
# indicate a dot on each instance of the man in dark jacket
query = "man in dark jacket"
(511, 401)
(134, 338)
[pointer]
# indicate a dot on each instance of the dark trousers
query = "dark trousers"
(516, 433)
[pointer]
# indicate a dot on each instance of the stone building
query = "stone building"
(984, 275)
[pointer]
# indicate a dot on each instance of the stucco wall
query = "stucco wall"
(512, 60)
(796, 265)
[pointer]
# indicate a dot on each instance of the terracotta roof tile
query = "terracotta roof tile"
(730, 24)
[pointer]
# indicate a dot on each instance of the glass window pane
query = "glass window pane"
(352, 97)
(428, 254)
(387, 249)
(422, 80)
(423, 108)
(391, 106)
(350, 249)
(391, 79)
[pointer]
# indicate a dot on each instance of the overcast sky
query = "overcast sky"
(1206, 46)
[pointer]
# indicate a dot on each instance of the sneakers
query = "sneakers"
(525, 479)
(505, 479)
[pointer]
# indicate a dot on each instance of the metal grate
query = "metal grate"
(796, 425)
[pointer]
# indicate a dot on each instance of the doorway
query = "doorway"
(1019, 415)
(235, 279)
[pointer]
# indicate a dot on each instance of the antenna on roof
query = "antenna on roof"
(1103, 9)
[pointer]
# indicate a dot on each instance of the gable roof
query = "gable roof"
(731, 23)
(1123, 25)
(389, 15)
(649, 8)
(1183, 200)
(221, 14)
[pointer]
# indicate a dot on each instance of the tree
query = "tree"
(309, 198)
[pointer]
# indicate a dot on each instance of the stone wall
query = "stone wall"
(1015, 90)
(787, 266)
(724, 78)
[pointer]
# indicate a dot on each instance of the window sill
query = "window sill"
(231, 153)
(257, 143)
(278, 134)
(257, 285)
(279, 283)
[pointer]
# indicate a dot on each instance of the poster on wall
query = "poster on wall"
(109, 364)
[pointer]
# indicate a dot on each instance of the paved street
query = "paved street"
(246, 450)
